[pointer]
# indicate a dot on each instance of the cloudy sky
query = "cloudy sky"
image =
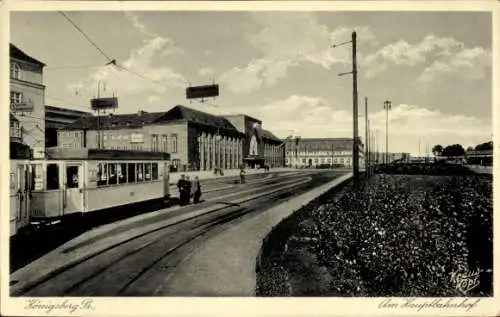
(435, 67)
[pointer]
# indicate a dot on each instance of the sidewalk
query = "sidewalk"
(202, 175)
(225, 265)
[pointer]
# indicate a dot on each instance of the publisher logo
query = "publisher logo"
(465, 280)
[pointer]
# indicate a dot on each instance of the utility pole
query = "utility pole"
(367, 162)
(354, 72)
(387, 107)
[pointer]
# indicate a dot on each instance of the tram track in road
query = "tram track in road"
(32, 245)
(52, 284)
(133, 275)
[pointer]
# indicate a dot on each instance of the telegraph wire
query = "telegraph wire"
(88, 38)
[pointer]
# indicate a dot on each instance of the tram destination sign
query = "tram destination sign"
(104, 103)
(205, 91)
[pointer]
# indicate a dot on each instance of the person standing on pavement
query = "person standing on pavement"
(196, 190)
(187, 190)
(242, 176)
(182, 193)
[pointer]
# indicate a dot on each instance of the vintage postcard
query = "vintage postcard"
(249, 158)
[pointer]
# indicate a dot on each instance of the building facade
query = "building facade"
(195, 140)
(317, 152)
(27, 99)
(57, 118)
(260, 147)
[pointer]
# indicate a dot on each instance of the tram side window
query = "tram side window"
(131, 172)
(102, 174)
(122, 173)
(112, 180)
(140, 172)
(154, 171)
(52, 176)
(147, 171)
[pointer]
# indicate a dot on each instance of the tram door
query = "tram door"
(23, 195)
(73, 191)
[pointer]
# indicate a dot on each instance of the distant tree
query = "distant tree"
(487, 146)
(469, 148)
(453, 150)
(437, 149)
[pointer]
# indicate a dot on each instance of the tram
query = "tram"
(78, 181)
(19, 186)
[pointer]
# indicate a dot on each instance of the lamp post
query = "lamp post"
(387, 107)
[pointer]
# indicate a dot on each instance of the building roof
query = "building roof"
(198, 117)
(17, 53)
(243, 115)
(266, 134)
(58, 110)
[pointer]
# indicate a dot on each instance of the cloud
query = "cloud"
(139, 73)
(286, 40)
(153, 99)
(140, 76)
(469, 65)
(206, 72)
(134, 17)
(315, 117)
(306, 116)
(448, 56)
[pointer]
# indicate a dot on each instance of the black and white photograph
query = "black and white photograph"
(251, 153)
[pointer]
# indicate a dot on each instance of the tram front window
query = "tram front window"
(72, 176)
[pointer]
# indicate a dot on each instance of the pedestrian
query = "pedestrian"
(187, 190)
(181, 186)
(242, 176)
(196, 190)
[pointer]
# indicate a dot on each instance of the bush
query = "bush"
(395, 236)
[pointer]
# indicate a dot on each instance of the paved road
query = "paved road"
(133, 258)
(25, 248)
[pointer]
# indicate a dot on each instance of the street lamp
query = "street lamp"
(387, 107)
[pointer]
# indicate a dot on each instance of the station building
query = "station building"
(314, 152)
(27, 100)
(194, 139)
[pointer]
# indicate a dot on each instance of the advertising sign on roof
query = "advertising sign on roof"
(202, 91)
(104, 103)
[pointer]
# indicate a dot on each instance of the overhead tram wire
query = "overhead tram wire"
(114, 63)
(85, 35)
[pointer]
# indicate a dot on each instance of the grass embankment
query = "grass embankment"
(396, 235)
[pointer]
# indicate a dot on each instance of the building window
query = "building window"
(164, 143)
(154, 142)
(15, 71)
(15, 98)
(174, 143)
(315, 160)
